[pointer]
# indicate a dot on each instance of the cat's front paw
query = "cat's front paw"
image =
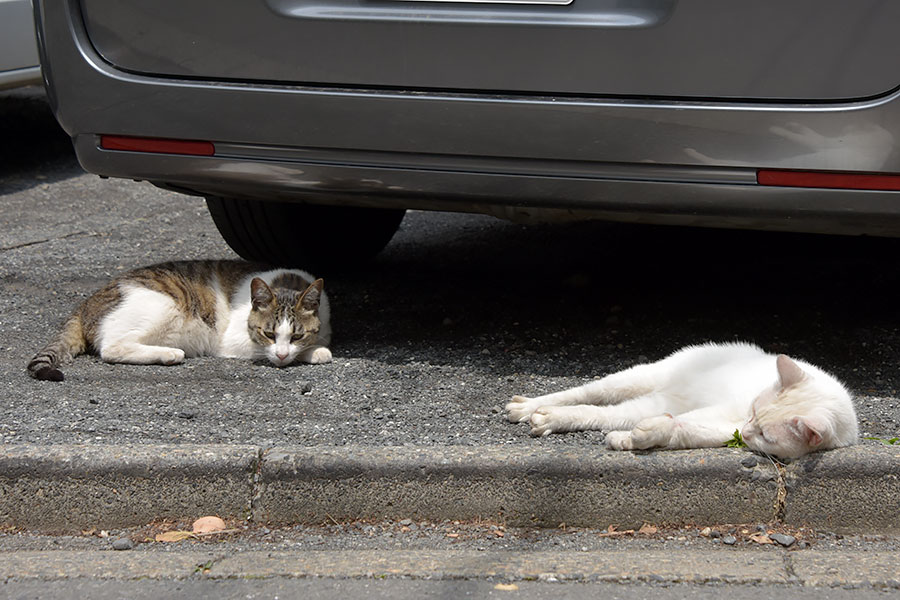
(653, 432)
(619, 440)
(520, 409)
(317, 356)
(554, 419)
(542, 421)
(171, 356)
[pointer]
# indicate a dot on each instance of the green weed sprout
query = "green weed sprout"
(736, 440)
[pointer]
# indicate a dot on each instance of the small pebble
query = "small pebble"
(729, 540)
(406, 522)
(122, 544)
(785, 540)
(306, 389)
(749, 461)
(208, 524)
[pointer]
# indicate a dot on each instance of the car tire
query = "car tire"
(306, 236)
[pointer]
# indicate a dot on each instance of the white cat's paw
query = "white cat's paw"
(317, 356)
(519, 409)
(653, 432)
(619, 440)
(171, 356)
(554, 419)
(543, 421)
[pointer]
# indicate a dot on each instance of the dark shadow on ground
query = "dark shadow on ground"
(33, 147)
(587, 290)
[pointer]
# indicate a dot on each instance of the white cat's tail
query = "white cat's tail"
(69, 343)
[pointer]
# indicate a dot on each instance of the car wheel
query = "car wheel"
(306, 236)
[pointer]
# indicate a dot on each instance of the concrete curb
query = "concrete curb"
(517, 486)
(855, 489)
(84, 486)
(78, 487)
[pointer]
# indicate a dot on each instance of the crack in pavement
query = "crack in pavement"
(780, 503)
(53, 239)
(255, 486)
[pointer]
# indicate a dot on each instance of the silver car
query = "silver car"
(305, 122)
(18, 48)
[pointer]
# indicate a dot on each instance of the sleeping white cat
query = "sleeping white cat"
(697, 398)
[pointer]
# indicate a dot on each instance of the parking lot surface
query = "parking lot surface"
(459, 313)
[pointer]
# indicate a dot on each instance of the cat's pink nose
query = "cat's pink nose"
(281, 355)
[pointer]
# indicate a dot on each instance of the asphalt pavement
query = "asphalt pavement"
(432, 338)
(459, 313)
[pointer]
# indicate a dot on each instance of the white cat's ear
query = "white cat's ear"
(260, 294)
(809, 429)
(309, 300)
(789, 372)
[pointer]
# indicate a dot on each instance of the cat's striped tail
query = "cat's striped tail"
(69, 343)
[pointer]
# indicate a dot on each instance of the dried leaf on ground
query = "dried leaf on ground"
(174, 536)
(648, 529)
(612, 531)
(761, 538)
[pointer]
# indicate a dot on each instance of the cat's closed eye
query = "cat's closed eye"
(298, 336)
(270, 335)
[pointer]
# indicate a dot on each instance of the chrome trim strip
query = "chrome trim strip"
(488, 165)
(547, 2)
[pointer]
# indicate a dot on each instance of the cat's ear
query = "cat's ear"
(789, 372)
(260, 294)
(309, 300)
(809, 429)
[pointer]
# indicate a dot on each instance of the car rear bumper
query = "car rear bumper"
(655, 161)
(726, 197)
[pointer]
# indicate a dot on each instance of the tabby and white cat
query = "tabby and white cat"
(697, 398)
(164, 313)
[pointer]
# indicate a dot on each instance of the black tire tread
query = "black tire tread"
(303, 235)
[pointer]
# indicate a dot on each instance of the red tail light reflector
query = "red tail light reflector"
(156, 145)
(826, 179)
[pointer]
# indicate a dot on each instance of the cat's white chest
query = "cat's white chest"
(234, 337)
(234, 341)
